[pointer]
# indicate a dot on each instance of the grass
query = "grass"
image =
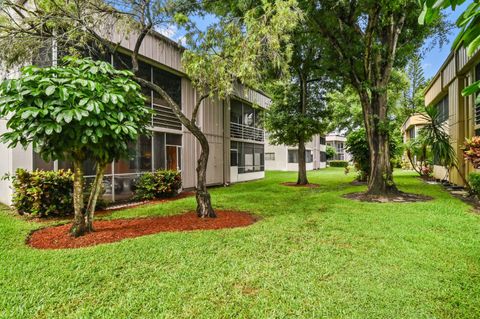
(314, 254)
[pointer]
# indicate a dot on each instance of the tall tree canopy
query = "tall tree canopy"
(366, 40)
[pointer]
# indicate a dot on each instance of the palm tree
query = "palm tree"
(435, 135)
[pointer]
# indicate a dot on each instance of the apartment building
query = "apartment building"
(236, 137)
(337, 141)
(285, 158)
(460, 115)
(411, 129)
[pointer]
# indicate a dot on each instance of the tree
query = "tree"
(414, 94)
(298, 110)
(437, 138)
(365, 41)
(82, 110)
(468, 22)
(357, 145)
(228, 52)
(330, 151)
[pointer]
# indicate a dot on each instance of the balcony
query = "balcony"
(245, 132)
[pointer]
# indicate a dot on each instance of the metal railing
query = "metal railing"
(246, 132)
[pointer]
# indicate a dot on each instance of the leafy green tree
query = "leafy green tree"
(227, 52)
(298, 110)
(364, 42)
(468, 22)
(81, 110)
(330, 151)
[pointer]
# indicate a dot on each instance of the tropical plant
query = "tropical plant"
(419, 155)
(435, 135)
(77, 111)
(471, 151)
(42, 193)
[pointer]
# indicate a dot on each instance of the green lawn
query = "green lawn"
(314, 254)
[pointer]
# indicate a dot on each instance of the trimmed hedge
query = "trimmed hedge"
(43, 193)
(159, 184)
(338, 163)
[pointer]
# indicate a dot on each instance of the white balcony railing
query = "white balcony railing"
(246, 132)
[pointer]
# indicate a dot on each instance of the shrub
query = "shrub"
(471, 151)
(43, 193)
(338, 163)
(474, 180)
(159, 184)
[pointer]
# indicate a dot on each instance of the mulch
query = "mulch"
(109, 231)
(109, 210)
(399, 197)
(293, 184)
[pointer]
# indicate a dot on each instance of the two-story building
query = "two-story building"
(460, 115)
(285, 158)
(236, 137)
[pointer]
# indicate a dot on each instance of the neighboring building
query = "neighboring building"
(460, 115)
(410, 130)
(234, 132)
(337, 141)
(285, 158)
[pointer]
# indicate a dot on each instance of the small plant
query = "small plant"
(43, 193)
(338, 163)
(159, 184)
(471, 151)
(474, 180)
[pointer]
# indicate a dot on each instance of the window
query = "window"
(308, 156)
(411, 133)
(442, 108)
(293, 156)
(233, 154)
(323, 156)
(245, 122)
(40, 164)
(322, 140)
(269, 156)
(251, 157)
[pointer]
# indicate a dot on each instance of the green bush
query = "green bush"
(43, 193)
(159, 184)
(474, 180)
(338, 163)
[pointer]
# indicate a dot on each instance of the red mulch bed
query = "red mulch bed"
(293, 184)
(109, 231)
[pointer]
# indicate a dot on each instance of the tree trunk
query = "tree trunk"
(79, 225)
(94, 193)
(302, 166)
(204, 204)
(302, 169)
(380, 180)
